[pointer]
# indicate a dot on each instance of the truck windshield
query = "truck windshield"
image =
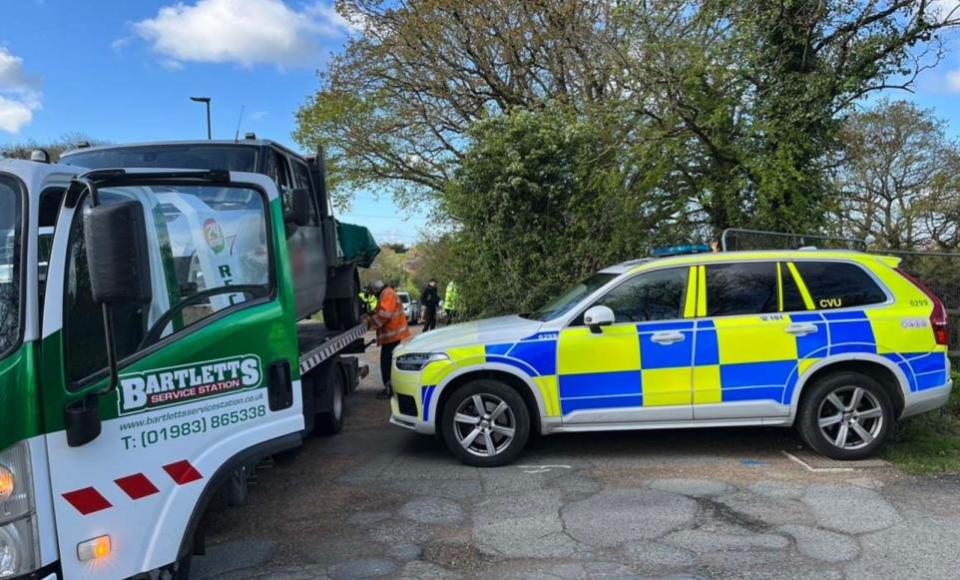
(569, 299)
(173, 156)
(10, 270)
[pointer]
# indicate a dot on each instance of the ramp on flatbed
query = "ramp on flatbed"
(318, 343)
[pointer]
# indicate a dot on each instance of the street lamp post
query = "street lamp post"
(207, 101)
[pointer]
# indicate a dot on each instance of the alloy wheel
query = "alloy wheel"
(850, 417)
(484, 425)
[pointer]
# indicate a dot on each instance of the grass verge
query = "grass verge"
(929, 444)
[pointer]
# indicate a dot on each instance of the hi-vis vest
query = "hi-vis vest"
(389, 318)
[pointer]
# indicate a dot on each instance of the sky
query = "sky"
(123, 71)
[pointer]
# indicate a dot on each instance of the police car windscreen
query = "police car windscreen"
(569, 299)
(10, 271)
(192, 156)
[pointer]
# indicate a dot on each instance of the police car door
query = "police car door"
(746, 353)
(206, 366)
(639, 368)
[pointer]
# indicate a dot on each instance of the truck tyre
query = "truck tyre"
(846, 416)
(237, 487)
(350, 309)
(330, 422)
(485, 423)
(331, 315)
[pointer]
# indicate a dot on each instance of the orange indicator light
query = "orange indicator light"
(94, 549)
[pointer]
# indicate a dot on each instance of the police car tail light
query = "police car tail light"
(938, 317)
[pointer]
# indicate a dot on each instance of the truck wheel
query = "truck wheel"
(485, 423)
(237, 487)
(350, 309)
(330, 422)
(846, 415)
(331, 315)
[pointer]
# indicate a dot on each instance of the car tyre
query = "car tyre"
(485, 423)
(846, 416)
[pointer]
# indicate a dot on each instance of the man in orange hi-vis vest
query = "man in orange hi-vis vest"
(391, 324)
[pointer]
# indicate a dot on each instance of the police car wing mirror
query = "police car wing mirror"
(299, 210)
(596, 317)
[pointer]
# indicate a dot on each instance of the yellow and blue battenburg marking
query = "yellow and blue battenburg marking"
(720, 360)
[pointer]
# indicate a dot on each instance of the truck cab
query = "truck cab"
(27, 192)
(151, 357)
(327, 280)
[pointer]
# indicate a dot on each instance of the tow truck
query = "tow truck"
(151, 354)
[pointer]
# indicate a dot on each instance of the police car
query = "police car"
(839, 344)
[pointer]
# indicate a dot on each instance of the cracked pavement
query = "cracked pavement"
(378, 501)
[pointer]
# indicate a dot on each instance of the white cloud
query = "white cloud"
(945, 8)
(953, 80)
(247, 32)
(19, 94)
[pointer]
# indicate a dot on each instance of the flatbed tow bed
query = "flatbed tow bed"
(318, 343)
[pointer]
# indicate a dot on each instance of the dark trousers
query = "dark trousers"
(429, 318)
(386, 360)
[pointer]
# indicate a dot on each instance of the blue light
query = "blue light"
(680, 250)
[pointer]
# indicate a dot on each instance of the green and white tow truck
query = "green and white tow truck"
(151, 354)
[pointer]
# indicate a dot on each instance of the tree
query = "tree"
(55, 148)
(744, 99)
(899, 181)
(542, 199)
(754, 93)
(396, 107)
(388, 267)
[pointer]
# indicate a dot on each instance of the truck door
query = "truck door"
(207, 377)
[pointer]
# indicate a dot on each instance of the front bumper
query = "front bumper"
(409, 384)
(927, 400)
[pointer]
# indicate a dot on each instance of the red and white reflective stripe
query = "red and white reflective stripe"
(87, 500)
(137, 486)
(182, 472)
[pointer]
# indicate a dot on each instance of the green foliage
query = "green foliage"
(900, 179)
(559, 136)
(930, 443)
(55, 147)
(544, 198)
(388, 267)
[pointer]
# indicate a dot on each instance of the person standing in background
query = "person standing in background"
(392, 329)
(430, 299)
(451, 302)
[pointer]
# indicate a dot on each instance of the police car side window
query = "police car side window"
(792, 299)
(743, 288)
(656, 295)
(839, 285)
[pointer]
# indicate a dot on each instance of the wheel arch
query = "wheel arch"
(512, 377)
(886, 372)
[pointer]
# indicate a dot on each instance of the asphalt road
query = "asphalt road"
(378, 501)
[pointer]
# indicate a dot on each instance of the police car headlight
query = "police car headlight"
(417, 361)
(17, 533)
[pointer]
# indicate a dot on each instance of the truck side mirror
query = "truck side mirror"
(597, 317)
(300, 209)
(115, 237)
(116, 243)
